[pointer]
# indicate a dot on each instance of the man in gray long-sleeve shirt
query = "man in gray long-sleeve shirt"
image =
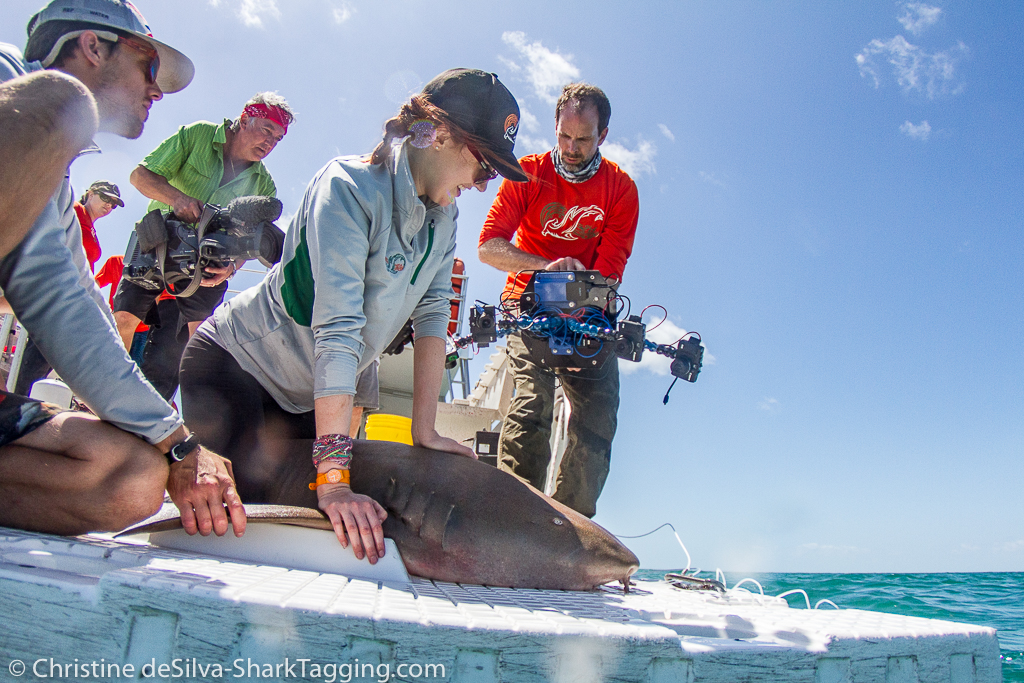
(64, 472)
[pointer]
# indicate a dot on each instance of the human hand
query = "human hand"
(565, 263)
(356, 518)
(188, 209)
(200, 485)
(436, 442)
(214, 275)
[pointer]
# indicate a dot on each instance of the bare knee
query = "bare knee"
(126, 325)
(135, 490)
(121, 477)
(134, 482)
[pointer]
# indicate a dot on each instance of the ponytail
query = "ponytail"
(415, 111)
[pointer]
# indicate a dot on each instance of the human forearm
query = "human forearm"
(428, 367)
(155, 186)
(501, 254)
(333, 416)
(356, 518)
(44, 288)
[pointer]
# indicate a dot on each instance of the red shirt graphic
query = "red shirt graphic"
(593, 221)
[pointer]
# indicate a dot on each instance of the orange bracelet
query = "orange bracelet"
(330, 477)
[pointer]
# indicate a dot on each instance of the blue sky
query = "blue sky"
(831, 194)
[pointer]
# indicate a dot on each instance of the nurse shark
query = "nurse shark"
(453, 519)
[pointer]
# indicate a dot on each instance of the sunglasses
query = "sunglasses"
(489, 173)
(147, 50)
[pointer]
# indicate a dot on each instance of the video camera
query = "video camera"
(687, 354)
(165, 252)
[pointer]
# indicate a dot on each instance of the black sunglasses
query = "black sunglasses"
(489, 171)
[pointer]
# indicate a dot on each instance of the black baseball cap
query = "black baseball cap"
(107, 191)
(477, 102)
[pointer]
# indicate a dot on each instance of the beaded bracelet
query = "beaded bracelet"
(333, 448)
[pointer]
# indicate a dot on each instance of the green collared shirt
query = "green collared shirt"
(192, 160)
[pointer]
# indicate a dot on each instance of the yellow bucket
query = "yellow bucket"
(383, 427)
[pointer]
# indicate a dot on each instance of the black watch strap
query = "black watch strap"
(183, 448)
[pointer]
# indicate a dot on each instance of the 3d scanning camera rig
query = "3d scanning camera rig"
(570, 320)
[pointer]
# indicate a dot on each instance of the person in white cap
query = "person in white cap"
(70, 472)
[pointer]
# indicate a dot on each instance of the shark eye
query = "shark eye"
(557, 521)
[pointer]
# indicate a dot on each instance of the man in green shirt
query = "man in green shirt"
(202, 163)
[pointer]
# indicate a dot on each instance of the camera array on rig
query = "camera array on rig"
(570, 320)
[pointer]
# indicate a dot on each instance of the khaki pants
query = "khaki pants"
(524, 448)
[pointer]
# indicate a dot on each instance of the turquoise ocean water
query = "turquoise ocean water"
(985, 599)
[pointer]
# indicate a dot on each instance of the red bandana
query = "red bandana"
(263, 111)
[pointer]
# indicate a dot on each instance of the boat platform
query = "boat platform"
(152, 613)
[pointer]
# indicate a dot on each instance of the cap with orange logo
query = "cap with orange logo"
(479, 103)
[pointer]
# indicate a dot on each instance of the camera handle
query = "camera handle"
(209, 211)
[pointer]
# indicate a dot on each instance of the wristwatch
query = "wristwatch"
(335, 476)
(183, 448)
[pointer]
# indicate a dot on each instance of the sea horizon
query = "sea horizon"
(993, 599)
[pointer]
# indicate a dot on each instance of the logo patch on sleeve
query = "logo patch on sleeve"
(395, 263)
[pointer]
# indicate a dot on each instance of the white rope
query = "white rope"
(675, 533)
(753, 581)
(801, 591)
(720, 575)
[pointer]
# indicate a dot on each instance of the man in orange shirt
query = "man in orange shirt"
(578, 212)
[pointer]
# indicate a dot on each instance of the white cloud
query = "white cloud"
(635, 162)
(919, 16)
(529, 140)
(527, 144)
(710, 178)
(769, 404)
(547, 71)
(666, 132)
(914, 68)
(919, 132)
(528, 121)
(343, 12)
(253, 12)
(285, 221)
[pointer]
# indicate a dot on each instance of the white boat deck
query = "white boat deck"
(115, 603)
